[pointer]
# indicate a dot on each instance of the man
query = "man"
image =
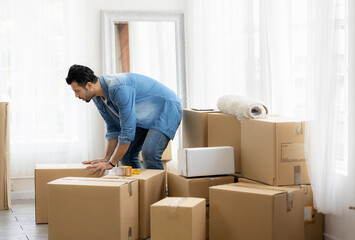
(140, 114)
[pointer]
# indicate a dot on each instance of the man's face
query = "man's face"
(85, 94)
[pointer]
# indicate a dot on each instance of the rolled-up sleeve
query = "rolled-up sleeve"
(124, 97)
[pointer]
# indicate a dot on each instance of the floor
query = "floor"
(19, 222)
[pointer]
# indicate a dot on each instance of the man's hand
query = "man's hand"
(99, 160)
(100, 166)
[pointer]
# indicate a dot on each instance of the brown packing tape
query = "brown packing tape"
(289, 200)
(126, 181)
(298, 128)
(130, 233)
(297, 175)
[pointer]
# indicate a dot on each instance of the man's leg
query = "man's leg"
(153, 147)
(131, 156)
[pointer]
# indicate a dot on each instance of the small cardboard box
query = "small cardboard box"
(254, 211)
(272, 151)
(179, 218)
(197, 162)
(45, 173)
(224, 130)
(152, 188)
(194, 128)
(93, 208)
(179, 186)
(5, 184)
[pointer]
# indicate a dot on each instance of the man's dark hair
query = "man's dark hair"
(81, 75)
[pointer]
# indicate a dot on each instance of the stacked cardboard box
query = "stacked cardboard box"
(179, 218)
(196, 162)
(152, 188)
(195, 128)
(313, 221)
(224, 130)
(45, 173)
(93, 208)
(5, 201)
(253, 211)
(179, 186)
(272, 151)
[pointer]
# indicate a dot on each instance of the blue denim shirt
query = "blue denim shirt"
(140, 101)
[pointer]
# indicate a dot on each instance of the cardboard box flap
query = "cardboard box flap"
(251, 189)
(79, 181)
(276, 119)
(61, 166)
(179, 202)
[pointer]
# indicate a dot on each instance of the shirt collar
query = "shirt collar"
(104, 88)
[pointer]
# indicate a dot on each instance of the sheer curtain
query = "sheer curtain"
(246, 48)
(290, 54)
(331, 173)
(39, 41)
(153, 51)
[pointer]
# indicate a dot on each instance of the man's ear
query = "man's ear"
(89, 85)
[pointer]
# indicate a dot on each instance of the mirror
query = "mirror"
(149, 43)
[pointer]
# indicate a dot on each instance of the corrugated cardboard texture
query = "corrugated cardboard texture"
(176, 219)
(272, 152)
(93, 208)
(252, 211)
(314, 230)
(224, 130)
(194, 128)
(45, 173)
(179, 186)
(152, 188)
(4, 157)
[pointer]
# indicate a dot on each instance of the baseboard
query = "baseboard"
(330, 237)
(22, 195)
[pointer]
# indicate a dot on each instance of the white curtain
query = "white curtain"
(153, 51)
(329, 162)
(247, 48)
(290, 54)
(39, 41)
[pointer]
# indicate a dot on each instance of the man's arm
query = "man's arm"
(111, 146)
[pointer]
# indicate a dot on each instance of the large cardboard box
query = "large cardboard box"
(224, 130)
(45, 173)
(313, 221)
(5, 184)
(197, 162)
(194, 128)
(93, 208)
(272, 151)
(179, 218)
(179, 186)
(252, 212)
(152, 188)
